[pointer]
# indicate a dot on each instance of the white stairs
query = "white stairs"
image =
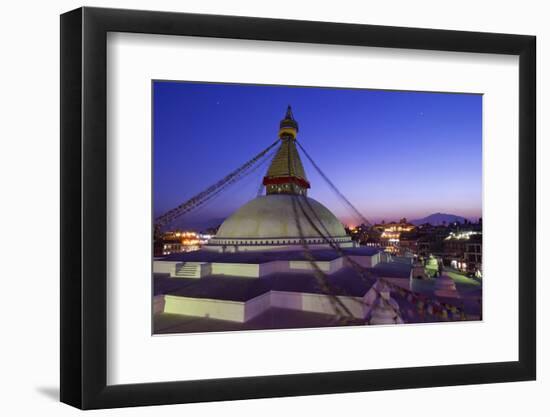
(187, 270)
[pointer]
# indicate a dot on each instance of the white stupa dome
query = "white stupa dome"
(271, 221)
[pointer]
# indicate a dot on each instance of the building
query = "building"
(473, 255)
(390, 234)
(430, 240)
(362, 233)
(463, 251)
(408, 243)
(179, 241)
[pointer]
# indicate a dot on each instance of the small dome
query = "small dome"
(273, 216)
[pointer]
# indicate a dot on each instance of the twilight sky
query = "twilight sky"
(393, 154)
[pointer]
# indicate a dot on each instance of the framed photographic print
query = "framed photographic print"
(257, 208)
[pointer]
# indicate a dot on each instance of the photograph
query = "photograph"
(269, 209)
(285, 207)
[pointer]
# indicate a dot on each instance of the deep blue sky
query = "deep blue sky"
(392, 153)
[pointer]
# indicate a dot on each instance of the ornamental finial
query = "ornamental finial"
(288, 128)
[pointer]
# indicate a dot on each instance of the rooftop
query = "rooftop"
(265, 256)
(242, 290)
(344, 282)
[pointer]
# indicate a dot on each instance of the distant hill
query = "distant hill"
(437, 219)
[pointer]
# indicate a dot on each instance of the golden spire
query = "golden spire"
(286, 173)
(288, 128)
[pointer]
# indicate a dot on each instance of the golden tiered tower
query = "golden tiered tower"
(286, 173)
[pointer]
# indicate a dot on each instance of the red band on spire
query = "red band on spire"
(286, 180)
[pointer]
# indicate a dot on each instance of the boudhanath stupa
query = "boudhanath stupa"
(272, 260)
(272, 222)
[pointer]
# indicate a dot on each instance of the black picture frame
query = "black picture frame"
(84, 207)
